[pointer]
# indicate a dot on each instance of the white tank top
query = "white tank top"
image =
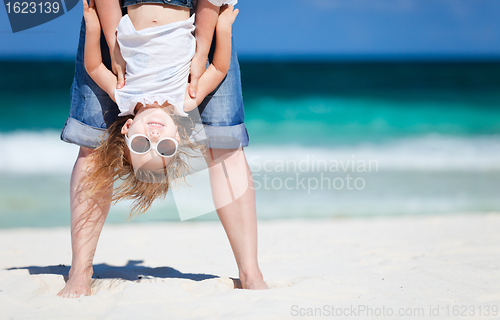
(158, 64)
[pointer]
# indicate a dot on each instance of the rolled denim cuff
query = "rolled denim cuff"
(225, 137)
(82, 134)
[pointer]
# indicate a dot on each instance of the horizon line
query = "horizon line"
(494, 58)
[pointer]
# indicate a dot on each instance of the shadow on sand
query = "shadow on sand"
(132, 271)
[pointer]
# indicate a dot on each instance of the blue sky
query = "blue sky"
(326, 28)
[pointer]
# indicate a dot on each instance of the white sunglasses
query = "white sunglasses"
(140, 144)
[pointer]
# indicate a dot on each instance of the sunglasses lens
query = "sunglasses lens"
(140, 144)
(166, 148)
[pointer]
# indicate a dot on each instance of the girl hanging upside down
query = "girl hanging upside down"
(148, 146)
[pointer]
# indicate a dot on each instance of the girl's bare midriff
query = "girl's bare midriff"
(149, 15)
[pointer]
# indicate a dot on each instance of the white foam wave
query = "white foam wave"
(36, 152)
(428, 153)
(44, 152)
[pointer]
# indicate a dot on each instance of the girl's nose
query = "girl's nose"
(154, 134)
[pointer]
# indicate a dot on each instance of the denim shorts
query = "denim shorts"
(92, 111)
(181, 3)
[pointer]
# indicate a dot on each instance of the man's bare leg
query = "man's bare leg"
(238, 218)
(87, 220)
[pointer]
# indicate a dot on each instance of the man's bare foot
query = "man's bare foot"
(253, 282)
(78, 285)
(254, 285)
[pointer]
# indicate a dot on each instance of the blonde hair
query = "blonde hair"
(110, 163)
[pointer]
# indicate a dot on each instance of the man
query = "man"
(85, 129)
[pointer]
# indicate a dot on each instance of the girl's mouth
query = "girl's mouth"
(156, 124)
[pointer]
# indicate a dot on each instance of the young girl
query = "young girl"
(148, 146)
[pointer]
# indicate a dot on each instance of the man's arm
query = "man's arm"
(221, 62)
(206, 19)
(111, 13)
(102, 76)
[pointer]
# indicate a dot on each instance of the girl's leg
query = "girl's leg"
(87, 220)
(239, 217)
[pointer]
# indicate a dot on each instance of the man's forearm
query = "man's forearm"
(206, 19)
(110, 14)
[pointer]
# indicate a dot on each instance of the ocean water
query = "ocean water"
(326, 140)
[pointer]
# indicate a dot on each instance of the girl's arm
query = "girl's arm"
(102, 76)
(111, 12)
(216, 71)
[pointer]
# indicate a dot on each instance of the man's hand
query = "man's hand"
(198, 66)
(206, 19)
(118, 65)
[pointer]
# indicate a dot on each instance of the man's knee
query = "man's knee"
(229, 156)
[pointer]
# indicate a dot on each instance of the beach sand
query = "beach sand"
(427, 267)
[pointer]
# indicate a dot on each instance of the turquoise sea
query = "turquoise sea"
(327, 139)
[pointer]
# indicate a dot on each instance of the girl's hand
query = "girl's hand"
(226, 16)
(118, 65)
(92, 23)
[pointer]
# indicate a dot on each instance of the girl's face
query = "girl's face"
(156, 123)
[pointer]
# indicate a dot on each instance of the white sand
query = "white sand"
(382, 264)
